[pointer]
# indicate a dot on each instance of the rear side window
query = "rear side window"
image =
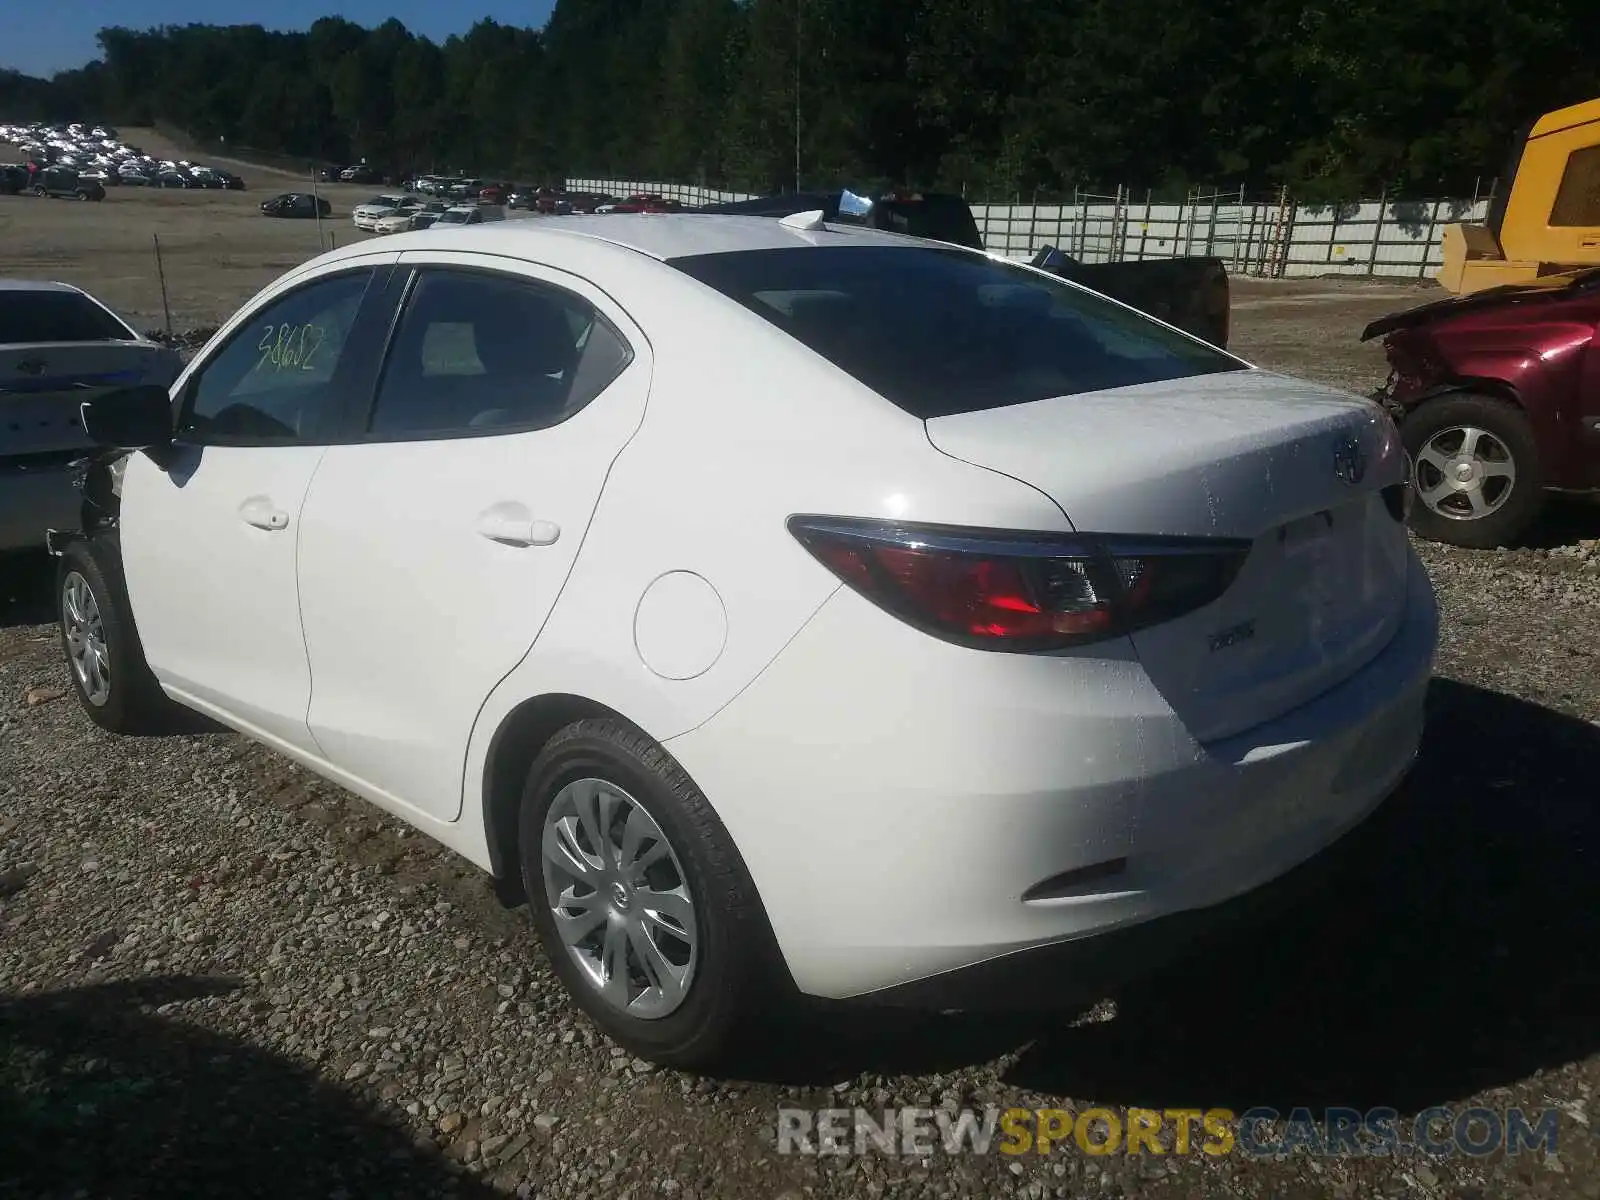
(29, 316)
(939, 331)
(480, 353)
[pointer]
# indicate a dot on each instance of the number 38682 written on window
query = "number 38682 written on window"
(289, 347)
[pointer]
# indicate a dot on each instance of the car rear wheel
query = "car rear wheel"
(109, 673)
(640, 898)
(1477, 472)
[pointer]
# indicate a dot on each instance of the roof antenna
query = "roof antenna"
(805, 220)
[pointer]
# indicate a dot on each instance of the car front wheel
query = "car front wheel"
(1476, 469)
(640, 898)
(109, 673)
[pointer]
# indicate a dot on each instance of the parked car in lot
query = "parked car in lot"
(58, 346)
(469, 214)
(296, 204)
(215, 179)
(1025, 619)
(418, 217)
(641, 203)
(13, 178)
(588, 202)
(366, 215)
(64, 182)
(1498, 397)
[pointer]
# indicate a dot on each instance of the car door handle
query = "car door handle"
(259, 511)
(511, 524)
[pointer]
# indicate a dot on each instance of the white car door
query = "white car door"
(433, 549)
(209, 535)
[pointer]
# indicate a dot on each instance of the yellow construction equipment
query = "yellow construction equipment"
(1546, 217)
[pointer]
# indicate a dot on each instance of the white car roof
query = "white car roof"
(658, 235)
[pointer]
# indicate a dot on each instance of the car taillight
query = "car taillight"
(1021, 591)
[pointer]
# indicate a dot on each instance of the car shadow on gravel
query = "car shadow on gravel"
(1565, 521)
(1443, 947)
(1450, 948)
(101, 1095)
(27, 592)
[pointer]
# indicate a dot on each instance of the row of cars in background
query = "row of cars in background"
(387, 213)
(56, 182)
(549, 201)
(393, 212)
(473, 190)
(94, 156)
(430, 200)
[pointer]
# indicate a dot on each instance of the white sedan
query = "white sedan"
(773, 606)
(396, 222)
(367, 215)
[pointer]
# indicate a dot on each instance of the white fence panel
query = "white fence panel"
(1368, 237)
(684, 193)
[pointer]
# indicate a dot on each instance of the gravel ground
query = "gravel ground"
(219, 974)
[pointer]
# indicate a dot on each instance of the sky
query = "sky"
(41, 38)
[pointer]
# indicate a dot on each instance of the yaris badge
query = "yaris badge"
(1349, 464)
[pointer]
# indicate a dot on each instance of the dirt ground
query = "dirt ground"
(220, 975)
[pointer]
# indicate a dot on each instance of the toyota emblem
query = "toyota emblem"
(1349, 464)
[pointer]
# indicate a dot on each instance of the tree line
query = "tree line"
(994, 97)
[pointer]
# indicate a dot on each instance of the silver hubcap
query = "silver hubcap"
(86, 638)
(1465, 473)
(620, 898)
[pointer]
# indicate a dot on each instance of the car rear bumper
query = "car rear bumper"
(910, 810)
(32, 502)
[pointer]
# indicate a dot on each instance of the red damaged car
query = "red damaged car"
(642, 203)
(1497, 394)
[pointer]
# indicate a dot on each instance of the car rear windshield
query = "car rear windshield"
(939, 331)
(47, 316)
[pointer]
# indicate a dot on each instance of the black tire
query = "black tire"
(135, 703)
(737, 975)
(1506, 423)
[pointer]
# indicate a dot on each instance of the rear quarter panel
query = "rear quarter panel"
(743, 428)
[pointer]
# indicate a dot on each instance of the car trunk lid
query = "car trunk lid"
(1297, 469)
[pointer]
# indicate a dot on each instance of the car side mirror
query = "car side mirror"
(131, 418)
